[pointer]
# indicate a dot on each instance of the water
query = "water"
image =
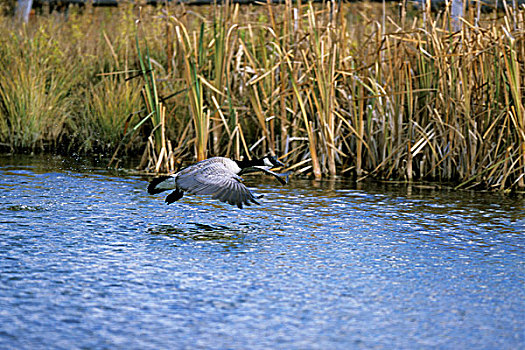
(89, 260)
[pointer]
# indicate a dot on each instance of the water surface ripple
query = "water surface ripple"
(89, 260)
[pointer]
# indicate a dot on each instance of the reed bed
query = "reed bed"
(360, 90)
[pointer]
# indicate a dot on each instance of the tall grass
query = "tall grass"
(34, 93)
(193, 60)
(109, 113)
(357, 91)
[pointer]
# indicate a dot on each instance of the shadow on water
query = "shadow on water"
(23, 207)
(229, 238)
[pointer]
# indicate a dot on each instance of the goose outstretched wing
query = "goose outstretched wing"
(217, 180)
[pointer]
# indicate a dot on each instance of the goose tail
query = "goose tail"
(161, 184)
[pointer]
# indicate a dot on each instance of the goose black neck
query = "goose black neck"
(243, 164)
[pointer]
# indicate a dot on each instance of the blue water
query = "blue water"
(89, 260)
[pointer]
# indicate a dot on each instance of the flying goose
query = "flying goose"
(217, 176)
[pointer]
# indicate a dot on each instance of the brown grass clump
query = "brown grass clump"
(357, 90)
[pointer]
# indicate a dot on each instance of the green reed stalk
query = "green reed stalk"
(517, 110)
(308, 124)
(193, 56)
(150, 95)
(323, 89)
(223, 31)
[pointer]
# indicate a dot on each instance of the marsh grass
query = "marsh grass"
(34, 93)
(360, 90)
(110, 112)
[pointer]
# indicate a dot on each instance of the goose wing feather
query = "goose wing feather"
(218, 180)
(236, 194)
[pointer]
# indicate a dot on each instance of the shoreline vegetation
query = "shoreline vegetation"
(360, 90)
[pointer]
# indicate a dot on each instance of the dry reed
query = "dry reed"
(356, 90)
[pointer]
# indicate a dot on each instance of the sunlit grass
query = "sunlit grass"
(108, 113)
(35, 99)
(359, 92)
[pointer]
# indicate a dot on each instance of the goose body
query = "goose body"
(217, 176)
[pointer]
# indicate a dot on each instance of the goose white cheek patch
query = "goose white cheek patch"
(262, 167)
(267, 163)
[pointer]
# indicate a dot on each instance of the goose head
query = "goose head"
(263, 164)
(271, 162)
(260, 164)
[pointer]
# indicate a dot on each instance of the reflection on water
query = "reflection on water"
(89, 260)
(229, 237)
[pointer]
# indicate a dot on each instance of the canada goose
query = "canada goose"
(217, 176)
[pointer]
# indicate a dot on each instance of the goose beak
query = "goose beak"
(279, 163)
(282, 178)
